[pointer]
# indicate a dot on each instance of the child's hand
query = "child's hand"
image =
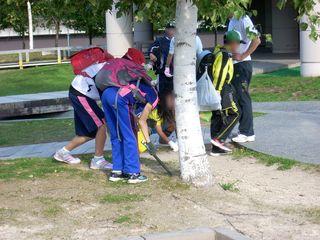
(167, 72)
(174, 146)
(153, 57)
(237, 56)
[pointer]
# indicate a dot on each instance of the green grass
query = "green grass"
(122, 198)
(36, 79)
(284, 85)
(31, 168)
(314, 214)
(268, 160)
(51, 207)
(37, 131)
(229, 186)
(123, 219)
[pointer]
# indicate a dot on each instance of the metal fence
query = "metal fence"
(21, 58)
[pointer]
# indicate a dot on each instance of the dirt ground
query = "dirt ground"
(260, 202)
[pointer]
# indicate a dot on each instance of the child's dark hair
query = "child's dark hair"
(164, 112)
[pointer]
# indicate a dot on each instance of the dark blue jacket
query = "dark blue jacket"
(160, 48)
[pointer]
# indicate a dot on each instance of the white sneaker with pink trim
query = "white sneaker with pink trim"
(220, 145)
(100, 164)
(65, 157)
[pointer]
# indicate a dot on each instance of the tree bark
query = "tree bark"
(57, 28)
(90, 35)
(30, 25)
(194, 164)
(23, 40)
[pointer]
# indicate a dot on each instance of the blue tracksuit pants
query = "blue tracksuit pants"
(125, 155)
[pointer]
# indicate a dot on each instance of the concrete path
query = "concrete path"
(290, 130)
(43, 150)
(48, 149)
(269, 62)
(30, 104)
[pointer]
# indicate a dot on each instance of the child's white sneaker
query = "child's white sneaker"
(243, 138)
(100, 163)
(65, 156)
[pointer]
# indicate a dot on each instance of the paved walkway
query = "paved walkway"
(30, 104)
(48, 149)
(269, 62)
(290, 130)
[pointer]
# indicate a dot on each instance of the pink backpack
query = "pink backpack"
(120, 72)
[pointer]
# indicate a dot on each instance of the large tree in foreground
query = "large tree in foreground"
(193, 159)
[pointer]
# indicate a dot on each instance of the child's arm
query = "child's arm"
(143, 121)
(162, 134)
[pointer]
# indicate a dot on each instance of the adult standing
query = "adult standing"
(168, 70)
(243, 74)
(158, 53)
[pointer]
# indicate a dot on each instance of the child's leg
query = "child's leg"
(216, 124)
(108, 100)
(76, 142)
(100, 140)
(88, 118)
(129, 141)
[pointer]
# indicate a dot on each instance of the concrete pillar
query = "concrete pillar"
(310, 51)
(118, 32)
(285, 29)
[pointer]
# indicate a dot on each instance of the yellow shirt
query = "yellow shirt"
(154, 116)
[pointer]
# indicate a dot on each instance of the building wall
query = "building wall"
(14, 43)
(285, 29)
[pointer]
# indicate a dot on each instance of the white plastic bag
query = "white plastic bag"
(208, 98)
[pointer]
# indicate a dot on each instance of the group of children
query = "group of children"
(130, 103)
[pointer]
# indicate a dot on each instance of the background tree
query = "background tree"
(14, 14)
(89, 16)
(54, 13)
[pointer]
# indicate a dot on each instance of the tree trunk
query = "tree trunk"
(23, 40)
(30, 25)
(194, 164)
(57, 28)
(90, 35)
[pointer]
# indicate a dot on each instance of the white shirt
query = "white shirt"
(86, 85)
(199, 47)
(241, 25)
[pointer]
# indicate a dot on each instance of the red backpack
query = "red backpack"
(85, 58)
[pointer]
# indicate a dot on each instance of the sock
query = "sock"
(64, 150)
(98, 157)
